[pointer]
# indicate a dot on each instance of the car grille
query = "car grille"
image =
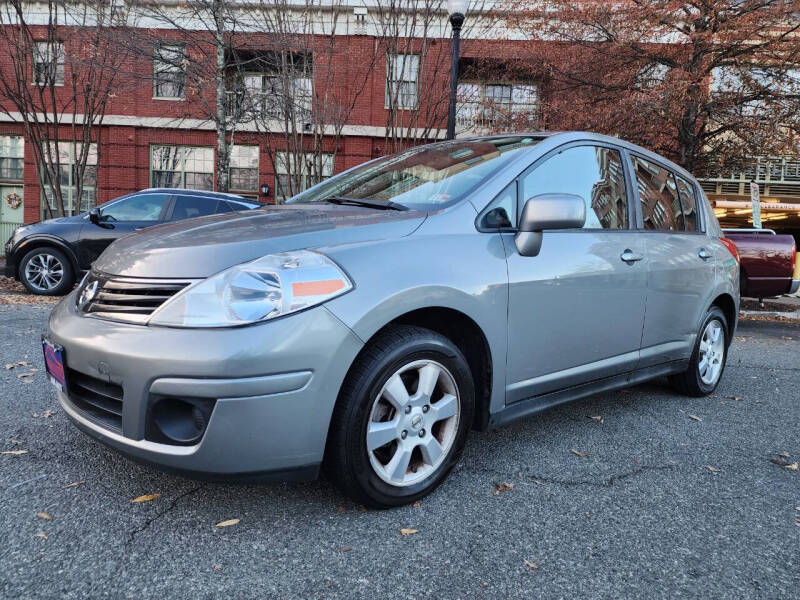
(128, 299)
(100, 401)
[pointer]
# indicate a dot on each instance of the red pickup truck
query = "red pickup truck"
(769, 265)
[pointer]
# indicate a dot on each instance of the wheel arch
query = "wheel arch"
(727, 305)
(42, 242)
(467, 335)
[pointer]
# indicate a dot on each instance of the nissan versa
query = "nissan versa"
(368, 324)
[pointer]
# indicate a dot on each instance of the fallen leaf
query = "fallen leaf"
(48, 413)
(532, 565)
(416, 504)
(35, 415)
(484, 584)
(218, 567)
(793, 467)
(783, 454)
(145, 498)
(41, 534)
(502, 487)
(579, 453)
(597, 418)
(74, 484)
(741, 339)
(345, 549)
(14, 452)
(405, 531)
(695, 418)
(713, 469)
(228, 523)
(732, 397)
(44, 515)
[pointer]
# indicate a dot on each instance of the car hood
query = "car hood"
(201, 247)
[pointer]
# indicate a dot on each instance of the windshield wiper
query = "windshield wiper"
(388, 205)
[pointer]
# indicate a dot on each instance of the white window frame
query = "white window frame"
(237, 153)
(12, 147)
(159, 60)
(476, 109)
(405, 77)
(265, 96)
(182, 169)
(66, 152)
(284, 161)
(43, 54)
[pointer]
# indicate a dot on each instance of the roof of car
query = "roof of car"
(206, 193)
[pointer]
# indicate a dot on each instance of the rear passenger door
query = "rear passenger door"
(680, 262)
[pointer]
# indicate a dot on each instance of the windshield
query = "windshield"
(427, 177)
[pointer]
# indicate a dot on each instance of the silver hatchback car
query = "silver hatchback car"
(370, 322)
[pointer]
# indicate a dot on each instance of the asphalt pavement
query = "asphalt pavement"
(629, 494)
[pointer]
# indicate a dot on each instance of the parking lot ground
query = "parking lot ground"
(630, 494)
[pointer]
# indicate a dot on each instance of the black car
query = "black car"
(48, 256)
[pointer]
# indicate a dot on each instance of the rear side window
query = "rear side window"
(189, 207)
(592, 172)
(661, 206)
(688, 203)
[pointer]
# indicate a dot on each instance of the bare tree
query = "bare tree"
(60, 71)
(300, 86)
(710, 83)
(196, 62)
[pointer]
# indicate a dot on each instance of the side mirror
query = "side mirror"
(548, 211)
(94, 216)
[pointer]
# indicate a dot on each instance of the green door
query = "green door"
(11, 210)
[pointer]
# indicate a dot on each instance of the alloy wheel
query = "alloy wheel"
(44, 272)
(711, 352)
(413, 423)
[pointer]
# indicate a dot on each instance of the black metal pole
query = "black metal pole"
(456, 21)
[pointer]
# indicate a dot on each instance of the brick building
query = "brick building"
(157, 130)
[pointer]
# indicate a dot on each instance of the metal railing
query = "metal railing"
(6, 229)
(775, 176)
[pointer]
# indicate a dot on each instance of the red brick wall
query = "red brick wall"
(124, 151)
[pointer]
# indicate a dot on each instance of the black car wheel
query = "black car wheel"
(46, 272)
(708, 359)
(401, 419)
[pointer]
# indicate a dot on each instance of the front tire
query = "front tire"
(708, 358)
(46, 272)
(401, 419)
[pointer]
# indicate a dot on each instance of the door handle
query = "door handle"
(704, 254)
(629, 256)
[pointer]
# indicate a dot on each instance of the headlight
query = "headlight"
(269, 287)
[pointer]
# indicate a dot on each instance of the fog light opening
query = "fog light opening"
(181, 421)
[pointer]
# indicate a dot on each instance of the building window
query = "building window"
(402, 76)
(279, 86)
(279, 97)
(12, 157)
(297, 172)
(189, 167)
(497, 104)
(244, 169)
(170, 71)
(48, 63)
(67, 153)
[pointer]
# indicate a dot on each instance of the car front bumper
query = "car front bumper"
(274, 387)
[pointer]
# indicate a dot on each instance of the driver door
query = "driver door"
(576, 311)
(120, 218)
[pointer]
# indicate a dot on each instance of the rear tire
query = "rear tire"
(401, 419)
(46, 271)
(708, 359)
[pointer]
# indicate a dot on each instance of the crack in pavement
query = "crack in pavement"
(132, 535)
(583, 482)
